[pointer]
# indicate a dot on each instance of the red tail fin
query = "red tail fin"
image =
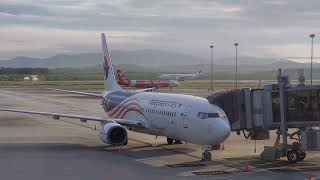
(122, 77)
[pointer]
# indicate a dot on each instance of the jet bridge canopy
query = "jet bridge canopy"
(260, 108)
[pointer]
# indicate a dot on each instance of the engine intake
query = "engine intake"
(114, 134)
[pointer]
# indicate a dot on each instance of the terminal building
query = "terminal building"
(281, 106)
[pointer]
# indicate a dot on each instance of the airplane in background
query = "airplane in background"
(175, 116)
(181, 77)
(123, 80)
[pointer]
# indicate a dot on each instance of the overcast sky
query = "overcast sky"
(263, 28)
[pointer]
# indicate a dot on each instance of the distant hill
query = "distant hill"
(145, 57)
(58, 61)
(153, 59)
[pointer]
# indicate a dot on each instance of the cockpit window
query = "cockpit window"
(203, 115)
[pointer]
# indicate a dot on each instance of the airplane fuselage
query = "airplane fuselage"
(179, 77)
(123, 80)
(149, 83)
(184, 117)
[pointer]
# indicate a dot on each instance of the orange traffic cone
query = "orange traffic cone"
(247, 167)
(222, 147)
(120, 150)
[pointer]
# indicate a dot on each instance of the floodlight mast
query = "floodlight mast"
(236, 45)
(211, 48)
(312, 36)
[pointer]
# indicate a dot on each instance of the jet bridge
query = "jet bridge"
(276, 107)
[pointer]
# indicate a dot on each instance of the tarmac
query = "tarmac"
(38, 147)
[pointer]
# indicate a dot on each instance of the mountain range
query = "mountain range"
(152, 59)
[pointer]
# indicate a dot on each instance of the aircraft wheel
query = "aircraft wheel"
(206, 156)
(293, 156)
(302, 156)
(125, 143)
(170, 141)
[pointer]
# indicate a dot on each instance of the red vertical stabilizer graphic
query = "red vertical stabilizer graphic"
(122, 78)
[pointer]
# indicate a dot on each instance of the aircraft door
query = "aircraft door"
(185, 116)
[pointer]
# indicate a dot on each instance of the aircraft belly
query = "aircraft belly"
(172, 130)
(159, 123)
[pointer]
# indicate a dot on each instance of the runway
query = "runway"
(37, 147)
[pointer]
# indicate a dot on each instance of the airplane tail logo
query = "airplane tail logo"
(105, 65)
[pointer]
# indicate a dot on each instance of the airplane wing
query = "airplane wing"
(124, 122)
(77, 92)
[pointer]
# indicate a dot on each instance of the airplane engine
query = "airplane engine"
(114, 134)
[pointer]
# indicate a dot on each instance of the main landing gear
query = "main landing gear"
(170, 141)
(206, 155)
(173, 141)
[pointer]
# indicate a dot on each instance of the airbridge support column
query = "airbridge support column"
(283, 123)
(283, 82)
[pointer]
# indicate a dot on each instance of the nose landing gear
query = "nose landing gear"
(206, 155)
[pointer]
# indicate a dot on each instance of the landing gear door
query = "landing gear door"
(185, 116)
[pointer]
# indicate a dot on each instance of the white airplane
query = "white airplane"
(180, 77)
(177, 117)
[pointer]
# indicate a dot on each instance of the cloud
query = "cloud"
(262, 28)
(18, 9)
(21, 41)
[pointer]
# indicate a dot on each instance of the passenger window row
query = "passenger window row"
(160, 112)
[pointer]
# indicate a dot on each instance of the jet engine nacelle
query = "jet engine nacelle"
(114, 134)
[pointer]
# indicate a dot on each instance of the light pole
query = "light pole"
(236, 45)
(311, 36)
(211, 47)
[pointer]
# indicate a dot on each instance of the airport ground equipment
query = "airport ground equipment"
(292, 111)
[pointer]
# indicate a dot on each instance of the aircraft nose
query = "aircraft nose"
(223, 129)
